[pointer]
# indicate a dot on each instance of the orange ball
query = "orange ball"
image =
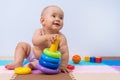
(76, 59)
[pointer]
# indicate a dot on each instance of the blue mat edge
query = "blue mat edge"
(82, 62)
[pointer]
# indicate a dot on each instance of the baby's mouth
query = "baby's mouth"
(56, 24)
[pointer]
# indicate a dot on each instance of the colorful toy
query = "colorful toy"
(87, 58)
(50, 59)
(76, 59)
(98, 59)
(47, 70)
(71, 67)
(22, 70)
(92, 59)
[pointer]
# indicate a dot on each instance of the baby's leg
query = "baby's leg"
(21, 52)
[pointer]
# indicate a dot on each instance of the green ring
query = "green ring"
(56, 54)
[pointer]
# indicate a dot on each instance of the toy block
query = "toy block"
(70, 67)
(92, 59)
(87, 58)
(98, 59)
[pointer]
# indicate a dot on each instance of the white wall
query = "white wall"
(92, 27)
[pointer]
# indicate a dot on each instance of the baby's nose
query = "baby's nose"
(57, 19)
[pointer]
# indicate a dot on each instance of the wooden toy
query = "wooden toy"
(98, 59)
(92, 59)
(87, 58)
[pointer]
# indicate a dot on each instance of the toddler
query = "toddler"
(52, 22)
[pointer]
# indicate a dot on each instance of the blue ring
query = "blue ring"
(47, 70)
(48, 64)
(50, 59)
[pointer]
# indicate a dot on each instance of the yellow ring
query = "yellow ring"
(56, 54)
(22, 70)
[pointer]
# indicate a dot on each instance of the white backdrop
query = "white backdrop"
(92, 27)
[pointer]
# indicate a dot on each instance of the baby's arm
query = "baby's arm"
(40, 37)
(65, 54)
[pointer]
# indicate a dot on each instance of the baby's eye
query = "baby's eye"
(53, 16)
(61, 18)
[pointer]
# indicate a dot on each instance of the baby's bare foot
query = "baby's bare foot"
(29, 65)
(32, 65)
(12, 66)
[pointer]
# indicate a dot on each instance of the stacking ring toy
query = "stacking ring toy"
(50, 59)
(48, 64)
(47, 70)
(56, 54)
(22, 70)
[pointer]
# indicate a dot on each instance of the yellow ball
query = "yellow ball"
(22, 70)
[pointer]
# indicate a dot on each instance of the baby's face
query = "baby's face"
(53, 18)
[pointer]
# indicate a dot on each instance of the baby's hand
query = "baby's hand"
(64, 69)
(53, 37)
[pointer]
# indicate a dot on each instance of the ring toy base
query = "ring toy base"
(47, 70)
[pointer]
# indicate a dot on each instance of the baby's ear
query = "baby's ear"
(42, 20)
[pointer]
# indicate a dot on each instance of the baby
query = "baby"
(52, 22)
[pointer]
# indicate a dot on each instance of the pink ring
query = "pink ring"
(47, 70)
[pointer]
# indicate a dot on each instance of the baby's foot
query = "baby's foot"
(12, 66)
(32, 65)
(29, 65)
